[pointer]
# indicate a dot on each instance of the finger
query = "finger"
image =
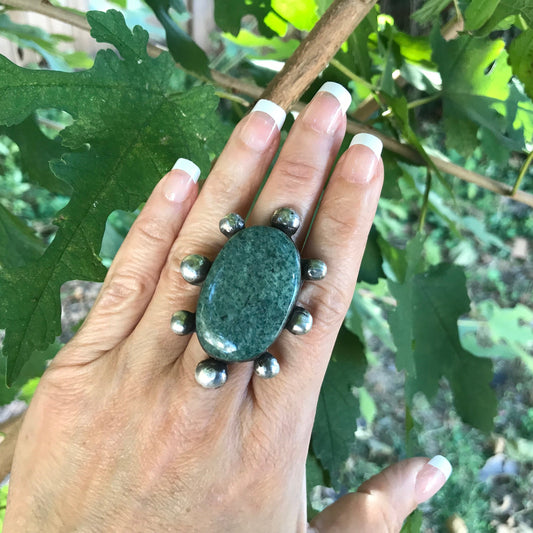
(230, 187)
(382, 503)
(133, 275)
(305, 160)
(338, 237)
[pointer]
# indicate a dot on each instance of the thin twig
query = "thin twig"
(423, 101)
(522, 173)
(425, 202)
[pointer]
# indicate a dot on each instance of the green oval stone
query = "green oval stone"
(248, 294)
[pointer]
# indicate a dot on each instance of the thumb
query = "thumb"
(382, 503)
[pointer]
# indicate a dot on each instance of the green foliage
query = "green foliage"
(337, 407)
(151, 115)
(183, 49)
(521, 59)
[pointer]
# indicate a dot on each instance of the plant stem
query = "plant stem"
(349, 74)
(233, 98)
(425, 202)
(522, 173)
(423, 101)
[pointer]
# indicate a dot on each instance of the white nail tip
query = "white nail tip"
(187, 166)
(271, 109)
(371, 141)
(339, 92)
(442, 464)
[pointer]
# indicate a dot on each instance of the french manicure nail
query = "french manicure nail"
(265, 119)
(339, 92)
(271, 109)
(177, 184)
(371, 141)
(432, 477)
(325, 110)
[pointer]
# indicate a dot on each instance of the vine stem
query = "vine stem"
(425, 202)
(423, 101)
(250, 89)
(349, 74)
(522, 173)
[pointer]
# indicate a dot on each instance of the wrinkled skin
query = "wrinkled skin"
(119, 437)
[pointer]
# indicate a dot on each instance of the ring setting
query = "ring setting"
(248, 296)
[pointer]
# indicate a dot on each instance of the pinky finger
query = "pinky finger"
(134, 273)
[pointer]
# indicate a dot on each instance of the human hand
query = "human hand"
(120, 437)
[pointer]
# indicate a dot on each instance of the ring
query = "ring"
(248, 296)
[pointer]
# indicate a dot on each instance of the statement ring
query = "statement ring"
(248, 296)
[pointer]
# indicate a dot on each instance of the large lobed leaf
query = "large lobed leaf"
(337, 408)
(475, 87)
(424, 327)
(130, 124)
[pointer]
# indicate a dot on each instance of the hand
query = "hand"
(120, 437)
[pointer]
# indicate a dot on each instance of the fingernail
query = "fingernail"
(325, 109)
(371, 141)
(339, 92)
(178, 182)
(359, 166)
(432, 477)
(265, 119)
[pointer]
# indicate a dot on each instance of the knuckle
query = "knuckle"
(339, 222)
(123, 288)
(297, 174)
(153, 231)
(330, 304)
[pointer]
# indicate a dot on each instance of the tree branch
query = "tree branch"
(316, 50)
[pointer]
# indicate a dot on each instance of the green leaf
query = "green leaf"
(335, 421)
(183, 49)
(137, 96)
(18, 244)
(314, 475)
(370, 270)
(36, 151)
(478, 13)
(413, 524)
(424, 327)
(521, 59)
(301, 14)
(471, 96)
(258, 46)
(505, 14)
(367, 406)
(228, 15)
(430, 11)
(359, 58)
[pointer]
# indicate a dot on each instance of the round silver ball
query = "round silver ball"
(314, 269)
(231, 224)
(300, 321)
(183, 322)
(266, 366)
(286, 219)
(211, 374)
(194, 268)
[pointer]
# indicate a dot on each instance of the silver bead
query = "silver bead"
(231, 224)
(266, 366)
(211, 373)
(313, 269)
(286, 219)
(194, 268)
(183, 322)
(300, 321)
